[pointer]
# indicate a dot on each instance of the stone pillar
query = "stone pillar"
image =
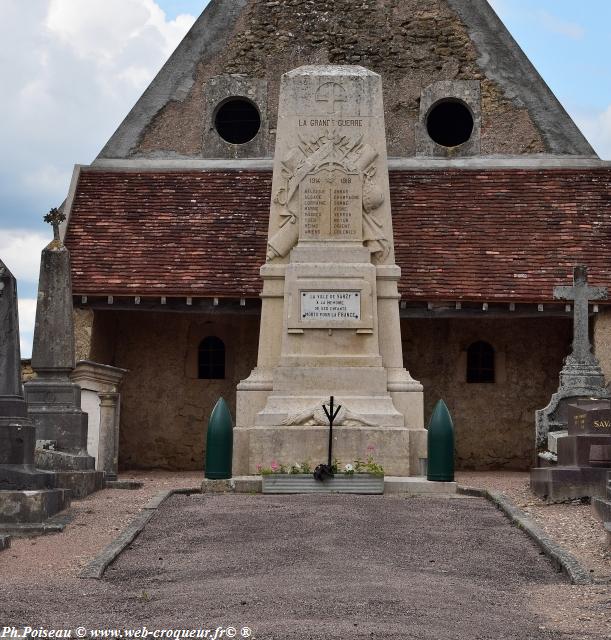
(108, 452)
(100, 385)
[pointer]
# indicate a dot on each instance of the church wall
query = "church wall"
(495, 422)
(164, 406)
(411, 43)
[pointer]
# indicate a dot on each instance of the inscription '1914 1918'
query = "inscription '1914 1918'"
(331, 206)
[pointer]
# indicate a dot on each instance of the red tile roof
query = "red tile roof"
(507, 235)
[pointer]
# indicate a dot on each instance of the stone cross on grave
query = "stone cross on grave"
(581, 295)
(55, 218)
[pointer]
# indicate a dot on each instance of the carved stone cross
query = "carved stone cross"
(331, 93)
(55, 218)
(581, 294)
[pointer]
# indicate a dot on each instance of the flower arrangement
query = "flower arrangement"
(323, 471)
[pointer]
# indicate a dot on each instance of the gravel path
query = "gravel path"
(332, 567)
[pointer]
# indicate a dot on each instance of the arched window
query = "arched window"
(480, 362)
(211, 359)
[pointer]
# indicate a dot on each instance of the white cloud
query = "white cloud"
(596, 127)
(27, 316)
(563, 27)
(20, 251)
(71, 70)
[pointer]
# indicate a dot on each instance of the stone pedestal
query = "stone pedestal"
(330, 306)
(584, 455)
(100, 399)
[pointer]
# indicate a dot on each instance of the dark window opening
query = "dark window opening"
(211, 359)
(450, 123)
(237, 121)
(480, 362)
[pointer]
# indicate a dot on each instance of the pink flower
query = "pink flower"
(259, 467)
(370, 448)
(275, 466)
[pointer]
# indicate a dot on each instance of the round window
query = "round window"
(450, 123)
(237, 121)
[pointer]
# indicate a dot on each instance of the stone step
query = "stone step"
(19, 507)
(53, 460)
(602, 509)
(80, 483)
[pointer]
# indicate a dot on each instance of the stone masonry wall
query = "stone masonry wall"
(164, 407)
(495, 423)
(411, 43)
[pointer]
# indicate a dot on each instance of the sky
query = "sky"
(72, 69)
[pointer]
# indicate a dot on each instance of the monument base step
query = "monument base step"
(557, 484)
(53, 460)
(5, 542)
(18, 477)
(602, 509)
(129, 485)
(34, 529)
(397, 449)
(417, 486)
(393, 485)
(80, 483)
(31, 507)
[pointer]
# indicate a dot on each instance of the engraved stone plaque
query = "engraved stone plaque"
(331, 206)
(330, 306)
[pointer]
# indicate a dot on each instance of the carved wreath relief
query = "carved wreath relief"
(328, 188)
(315, 416)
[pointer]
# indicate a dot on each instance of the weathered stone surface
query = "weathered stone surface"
(54, 402)
(32, 506)
(581, 375)
(584, 455)
(17, 434)
(412, 44)
(330, 319)
(100, 399)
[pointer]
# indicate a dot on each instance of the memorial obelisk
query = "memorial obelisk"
(330, 305)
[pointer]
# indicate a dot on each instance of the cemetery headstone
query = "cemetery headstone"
(27, 496)
(54, 401)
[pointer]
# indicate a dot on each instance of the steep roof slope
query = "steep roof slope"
(411, 43)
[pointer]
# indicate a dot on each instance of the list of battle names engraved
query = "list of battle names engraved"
(331, 206)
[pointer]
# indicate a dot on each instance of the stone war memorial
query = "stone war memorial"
(335, 247)
(330, 314)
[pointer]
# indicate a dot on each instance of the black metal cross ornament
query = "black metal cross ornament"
(324, 471)
(331, 415)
